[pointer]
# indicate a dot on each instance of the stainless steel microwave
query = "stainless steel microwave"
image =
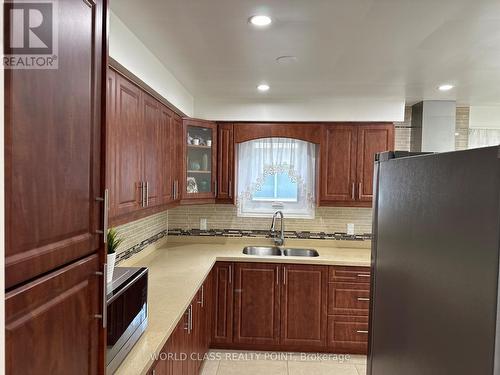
(127, 313)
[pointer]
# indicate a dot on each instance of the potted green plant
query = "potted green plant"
(113, 242)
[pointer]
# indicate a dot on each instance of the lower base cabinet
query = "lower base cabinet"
(304, 307)
(348, 334)
(291, 307)
(348, 309)
(269, 306)
(185, 349)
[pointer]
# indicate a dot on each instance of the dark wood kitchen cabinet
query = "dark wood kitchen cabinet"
(50, 324)
(338, 164)
(53, 209)
(141, 162)
(346, 159)
(124, 149)
(348, 309)
(225, 163)
(348, 334)
(53, 151)
(184, 351)
(155, 129)
(371, 140)
(199, 183)
(304, 306)
(223, 288)
(256, 303)
(274, 306)
(176, 155)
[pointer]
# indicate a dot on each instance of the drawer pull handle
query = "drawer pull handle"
(364, 332)
(363, 275)
(363, 299)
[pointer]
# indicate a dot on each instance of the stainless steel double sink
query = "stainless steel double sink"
(277, 251)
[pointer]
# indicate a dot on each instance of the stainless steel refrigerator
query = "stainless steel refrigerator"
(435, 264)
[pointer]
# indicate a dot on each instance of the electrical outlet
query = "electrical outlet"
(350, 229)
(203, 223)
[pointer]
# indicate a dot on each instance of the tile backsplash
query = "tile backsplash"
(223, 216)
(141, 233)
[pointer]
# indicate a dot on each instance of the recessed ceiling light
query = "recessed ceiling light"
(263, 87)
(260, 20)
(445, 87)
(286, 59)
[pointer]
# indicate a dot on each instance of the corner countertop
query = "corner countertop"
(178, 269)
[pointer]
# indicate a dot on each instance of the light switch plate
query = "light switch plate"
(350, 229)
(203, 223)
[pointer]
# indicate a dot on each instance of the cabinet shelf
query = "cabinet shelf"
(207, 172)
(199, 146)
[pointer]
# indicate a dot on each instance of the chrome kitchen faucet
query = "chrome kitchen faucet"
(281, 240)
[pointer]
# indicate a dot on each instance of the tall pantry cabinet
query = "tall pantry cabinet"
(54, 194)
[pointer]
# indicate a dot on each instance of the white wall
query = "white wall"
(438, 125)
(128, 50)
(293, 110)
(484, 117)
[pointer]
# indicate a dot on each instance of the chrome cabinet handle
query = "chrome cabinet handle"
(230, 193)
(190, 316)
(189, 324)
(202, 301)
(215, 188)
(147, 193)
(186, 325)
(363, 299)
(230, 274)
(142, 187)
(360, 187)
(104, 315)
(284, 275)
(362, 331)
(105, 205)
(277, 275)
(363, 275)
(176, 189)
(352, 191)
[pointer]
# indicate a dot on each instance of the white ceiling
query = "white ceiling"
(345, 48)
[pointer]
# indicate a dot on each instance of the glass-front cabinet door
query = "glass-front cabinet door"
(200, 158)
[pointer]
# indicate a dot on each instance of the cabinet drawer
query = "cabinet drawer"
(348, 334)
(349, 299)
(349, 274)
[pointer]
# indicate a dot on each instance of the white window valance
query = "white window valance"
(293, 164)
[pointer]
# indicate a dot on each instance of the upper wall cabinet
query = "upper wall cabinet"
(140, 155)
(200, 161)
(176, 157)
(347, 157)
(225, 163)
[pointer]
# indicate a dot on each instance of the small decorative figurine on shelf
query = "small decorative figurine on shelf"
(192, 186)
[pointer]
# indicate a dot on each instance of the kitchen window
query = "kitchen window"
(276, 174)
